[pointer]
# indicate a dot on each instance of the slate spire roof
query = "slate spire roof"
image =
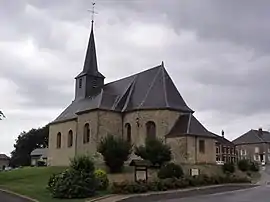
(150, 89)
(90, 66)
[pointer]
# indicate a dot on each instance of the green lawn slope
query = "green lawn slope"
(31, 182)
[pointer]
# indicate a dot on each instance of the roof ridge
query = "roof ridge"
(130, 92)
(258, 136)
(135, 74)
(189, 121)
(164, 85)
(101, 95)
(151, 86)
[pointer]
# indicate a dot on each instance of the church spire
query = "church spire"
(90, 66)
(90, 81)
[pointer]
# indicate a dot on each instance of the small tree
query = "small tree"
(228, 167)
(155, 151)
(170, 170)
(115, 152)
(243, 165)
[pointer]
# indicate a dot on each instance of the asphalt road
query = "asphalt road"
(6, 197)
(260, 193)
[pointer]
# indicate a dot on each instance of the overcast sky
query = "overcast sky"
(217, 52)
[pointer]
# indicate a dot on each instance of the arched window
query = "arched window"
(58, 140)
(128, 132)
(86, 133)
(70, 138)
(150, 129)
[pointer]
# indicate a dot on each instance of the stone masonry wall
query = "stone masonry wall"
(61, 156)
(164, 120)
(185, 149)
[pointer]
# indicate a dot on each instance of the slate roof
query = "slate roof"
(252, 137)
(188, 125)
(150, 89)
(4, 157)
(39, 152)
(90, 66)
(222, 140)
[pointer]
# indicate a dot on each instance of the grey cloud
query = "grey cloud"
(37, 90)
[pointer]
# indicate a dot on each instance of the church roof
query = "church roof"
(150, 89)
(187, 124)
(90, 66)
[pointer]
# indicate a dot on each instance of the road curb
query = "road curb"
(117, 198)
(19, 195)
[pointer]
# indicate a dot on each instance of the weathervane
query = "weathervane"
(93, 11)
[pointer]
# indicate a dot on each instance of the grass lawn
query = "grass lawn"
(31, 182)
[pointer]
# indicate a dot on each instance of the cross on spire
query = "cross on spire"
(93, 11)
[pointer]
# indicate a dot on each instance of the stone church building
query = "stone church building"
(145, 104)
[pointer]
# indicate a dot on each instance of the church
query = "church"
(135, 107)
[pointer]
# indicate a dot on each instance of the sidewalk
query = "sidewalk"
(181, 193)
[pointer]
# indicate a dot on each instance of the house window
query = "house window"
(80, 83)
(256, 150)
(201, 146)
(256, 157)
(86, 133)
(150, 129)
(70, 138)
(58, 140)
(128, 132)
(217, 149)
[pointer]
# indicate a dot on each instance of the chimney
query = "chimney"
(222, 133)
(260, 132)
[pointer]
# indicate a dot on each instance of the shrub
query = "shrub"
(243, 165)
(82, 163)
(155, 151)
(72, 184)
(254, 167)
(115, 152)
(228, 168)
(174, 183)
(78, 181)
(170, 170)
(102, 179)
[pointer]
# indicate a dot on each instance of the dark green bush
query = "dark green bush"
(115, 152)
(243, 165)
(174, 183)
(72, 184)
(102, 179)
(228, 167)
(78, 181)
(254, 167)
(157, 152)
(170, 170)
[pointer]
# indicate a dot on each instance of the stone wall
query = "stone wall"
(163, 119)
(61, 156)
(185, 149)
